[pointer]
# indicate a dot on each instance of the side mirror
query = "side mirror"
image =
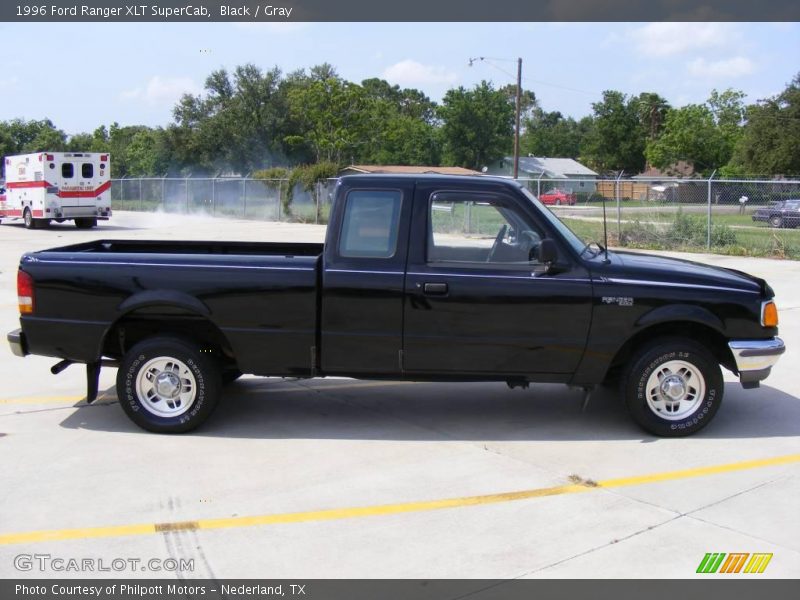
(548, 252)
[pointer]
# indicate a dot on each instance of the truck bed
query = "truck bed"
(261, 297)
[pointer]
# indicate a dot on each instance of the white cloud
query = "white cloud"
(410, 72)
(669, 39)
(162, 90)
(728, 68)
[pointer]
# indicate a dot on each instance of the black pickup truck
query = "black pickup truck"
(424, 278)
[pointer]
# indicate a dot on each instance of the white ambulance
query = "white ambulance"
(57, 186)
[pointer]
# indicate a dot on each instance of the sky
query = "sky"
(81, 75)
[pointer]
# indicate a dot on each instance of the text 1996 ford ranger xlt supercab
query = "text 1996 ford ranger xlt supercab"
(424, 278)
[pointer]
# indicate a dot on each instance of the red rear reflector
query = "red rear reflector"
(49, 157)
(104, 157)
(25, 292)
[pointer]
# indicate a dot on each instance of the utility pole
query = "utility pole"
(519, 107)
(518, 104)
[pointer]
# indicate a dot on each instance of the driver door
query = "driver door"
(475, 301)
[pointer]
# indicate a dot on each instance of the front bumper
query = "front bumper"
(16, 340)
(755, 358)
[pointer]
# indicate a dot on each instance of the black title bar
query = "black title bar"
(409, 10)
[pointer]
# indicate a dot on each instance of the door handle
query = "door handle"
(435, 288)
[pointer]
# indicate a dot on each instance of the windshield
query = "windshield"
(577, 243)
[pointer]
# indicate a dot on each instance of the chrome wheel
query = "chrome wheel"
(675, 390)
(166, 386)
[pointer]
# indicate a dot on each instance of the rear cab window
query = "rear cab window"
(370, 224)
(67, 170)
(87, 170)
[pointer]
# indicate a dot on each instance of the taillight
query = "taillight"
(25, 292)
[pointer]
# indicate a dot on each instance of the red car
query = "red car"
(558, 197)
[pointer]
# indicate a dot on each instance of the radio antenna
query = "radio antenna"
(605, 232)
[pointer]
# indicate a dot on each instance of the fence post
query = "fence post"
(141, 201)
(213, 196)
(280, 199)
(244, 197)
(186, 186)
(539, 185)
(708, 223)
(316, 203)
(163, 191)
(619, 207)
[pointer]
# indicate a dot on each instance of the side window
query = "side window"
(473, 228)
(87, 170)
(67, 170)
(371, 221)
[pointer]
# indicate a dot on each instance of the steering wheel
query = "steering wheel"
(500, 235)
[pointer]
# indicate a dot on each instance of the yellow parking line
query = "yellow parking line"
(384, 509)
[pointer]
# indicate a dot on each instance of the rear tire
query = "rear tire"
(85, 223)
(776, 221)
(674, 388)
(27, 218)
(166, 385)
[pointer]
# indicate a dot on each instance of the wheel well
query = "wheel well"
(159, 321)
(708, 337)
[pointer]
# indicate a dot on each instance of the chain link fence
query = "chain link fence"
(244, 198)
(732, 216)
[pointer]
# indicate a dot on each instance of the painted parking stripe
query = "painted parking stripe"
(384, 509)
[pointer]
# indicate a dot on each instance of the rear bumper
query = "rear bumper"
(16, 339)
(755, 358)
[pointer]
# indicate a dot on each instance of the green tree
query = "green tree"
(691, 134)
(332, 117)
(551, 134)
(19, 136)
(652, 109)
(528, 101)
(148, 154)
(477, 125)
(616, 140)
(770, 141)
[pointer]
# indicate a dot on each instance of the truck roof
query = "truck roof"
(431, 177)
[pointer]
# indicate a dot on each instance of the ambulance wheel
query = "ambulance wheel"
(27, 218)
(85, 223)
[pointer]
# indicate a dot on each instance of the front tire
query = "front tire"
(674, 388)
(166, 385)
